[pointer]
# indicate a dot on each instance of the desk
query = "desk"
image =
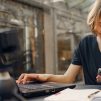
(77, 87)
(88, 87)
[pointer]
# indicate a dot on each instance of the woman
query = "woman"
(87, 56)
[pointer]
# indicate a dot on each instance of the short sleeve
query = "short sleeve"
(77, 56)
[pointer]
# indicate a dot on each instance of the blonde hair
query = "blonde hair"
(94, 15)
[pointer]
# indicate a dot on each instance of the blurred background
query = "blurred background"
(49, 31)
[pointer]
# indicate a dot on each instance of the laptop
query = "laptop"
(35, 89)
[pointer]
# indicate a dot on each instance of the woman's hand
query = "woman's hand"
(25, 78)
(98, 78)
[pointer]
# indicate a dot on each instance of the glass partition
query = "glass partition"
(64, 42)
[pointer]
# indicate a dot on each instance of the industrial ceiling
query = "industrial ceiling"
(83, 5)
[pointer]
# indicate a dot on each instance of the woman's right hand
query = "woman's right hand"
(25, 78)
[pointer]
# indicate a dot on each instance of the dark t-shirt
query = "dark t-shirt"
(88, 55)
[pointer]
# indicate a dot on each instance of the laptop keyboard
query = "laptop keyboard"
(34, 87)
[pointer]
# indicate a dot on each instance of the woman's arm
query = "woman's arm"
(68, 77)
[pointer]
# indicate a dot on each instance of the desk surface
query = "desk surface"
(37, 99)
(77, 87)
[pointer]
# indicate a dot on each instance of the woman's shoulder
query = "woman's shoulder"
(88, 38)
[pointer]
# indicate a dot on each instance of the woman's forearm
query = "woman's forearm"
(59, 78)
